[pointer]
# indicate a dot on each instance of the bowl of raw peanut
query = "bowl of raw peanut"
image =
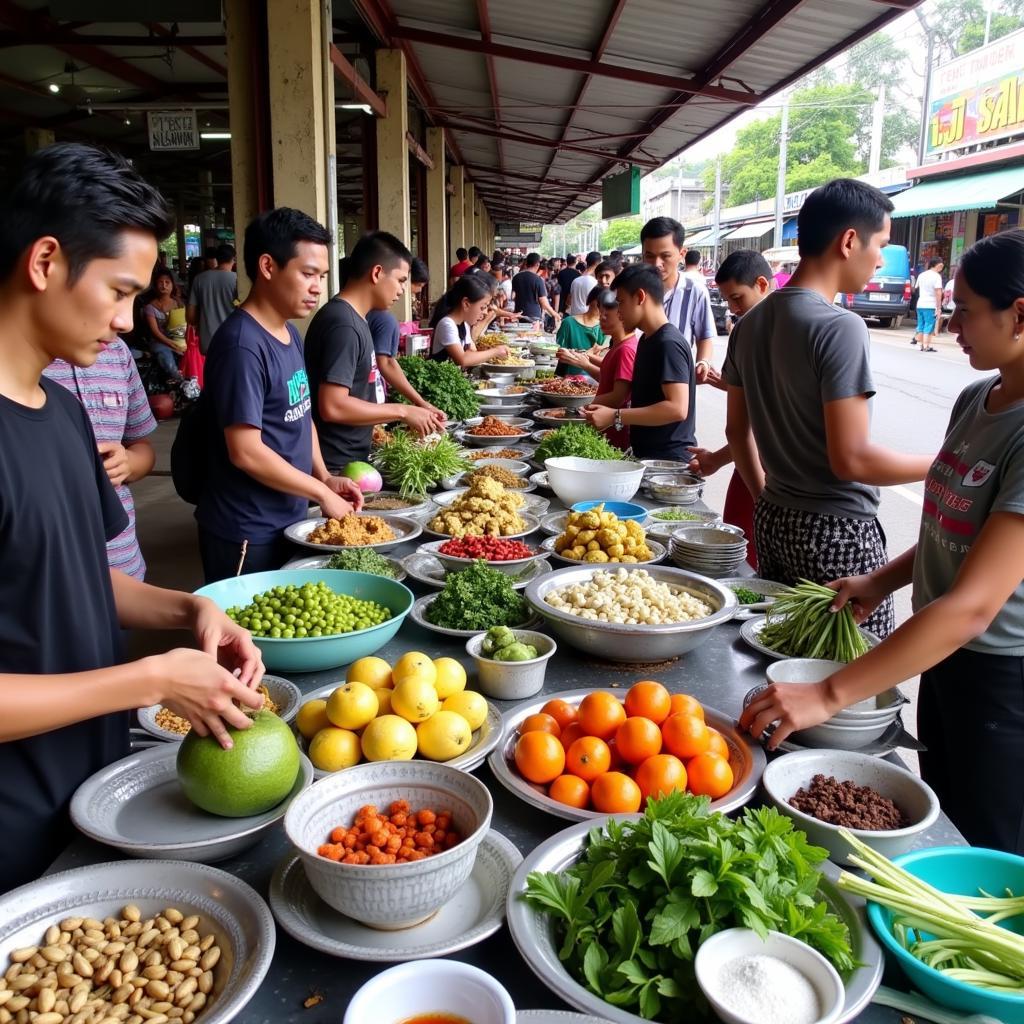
(279, 695)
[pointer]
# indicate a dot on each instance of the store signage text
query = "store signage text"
(173, 130)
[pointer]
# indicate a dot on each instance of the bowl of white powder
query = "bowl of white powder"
(776, 980)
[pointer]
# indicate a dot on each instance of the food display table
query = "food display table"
(718, 673)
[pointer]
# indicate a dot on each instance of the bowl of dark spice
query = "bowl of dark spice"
(882, 804)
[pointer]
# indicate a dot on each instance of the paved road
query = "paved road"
(916, 392)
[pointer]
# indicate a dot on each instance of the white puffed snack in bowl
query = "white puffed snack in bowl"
(628, 597)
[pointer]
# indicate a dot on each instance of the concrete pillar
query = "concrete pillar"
(244, 101)
(469, 197)
(436, 198)
(353, 225)
(38, 138)
(457, 228)
(207, 211)
(393, 193)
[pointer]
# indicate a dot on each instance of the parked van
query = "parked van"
(887, 295)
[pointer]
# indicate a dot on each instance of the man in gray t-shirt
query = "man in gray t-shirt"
(213, 297)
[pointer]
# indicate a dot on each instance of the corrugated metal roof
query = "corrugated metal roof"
(567, 115)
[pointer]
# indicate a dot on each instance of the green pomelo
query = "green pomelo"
(257, 773)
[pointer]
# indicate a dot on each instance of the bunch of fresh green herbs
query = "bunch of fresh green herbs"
(576, 439)
(801, 624)
(477, 598)
(413, 465)
(362, 560)
(442, 384)
(631, 913)
(747, 596)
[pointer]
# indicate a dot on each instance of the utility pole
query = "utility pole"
(718, 206)
(877, 124)
(989, 7)
(922, 141)
(780, 181)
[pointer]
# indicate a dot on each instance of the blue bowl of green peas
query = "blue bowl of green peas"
(309, 620)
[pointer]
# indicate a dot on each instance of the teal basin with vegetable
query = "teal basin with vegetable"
(961, 871)
(317, 653)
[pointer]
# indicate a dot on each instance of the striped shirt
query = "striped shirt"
(688, 307)
(118, 409)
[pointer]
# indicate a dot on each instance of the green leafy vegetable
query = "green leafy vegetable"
(632, 911)
(576, 439)
(414, 465)
(677, 515)
(477, 598)
(800, 624)
(362, 560)
(442, 384)
(747, 596)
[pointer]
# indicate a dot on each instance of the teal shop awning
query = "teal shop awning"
(968, 192)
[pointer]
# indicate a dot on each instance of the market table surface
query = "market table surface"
(718, 673)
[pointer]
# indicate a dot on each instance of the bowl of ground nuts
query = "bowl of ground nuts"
(388, 843)
(279, 695)
(166, 940)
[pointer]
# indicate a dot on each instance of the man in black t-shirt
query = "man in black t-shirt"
(662, 407)
(530, 292)
(79, 242)
(566, 276)
(347, 390)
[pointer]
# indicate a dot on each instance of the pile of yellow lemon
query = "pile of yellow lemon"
(392, 713)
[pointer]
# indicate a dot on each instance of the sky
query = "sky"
(906, 28)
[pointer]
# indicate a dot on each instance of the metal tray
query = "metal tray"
(403, 528)
(490, 441)
(534, 932)
(320, 562)
(476, 911)
(767, 588)
(485, 739)
(284, 693)
(659, 551)
(229, 908)
(419, 616)
(746, 758)
(425, 568)
(531, 522)
(751, 630)
(137, 805)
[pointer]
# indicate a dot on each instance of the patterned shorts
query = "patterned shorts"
(792, 544)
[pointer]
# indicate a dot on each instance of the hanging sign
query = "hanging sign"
(173, 130)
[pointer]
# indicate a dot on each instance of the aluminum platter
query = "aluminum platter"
(137, 805)
(320, 562)
(662, 528)
(659, 551)
(768, 589)
(534, 933)
(419, 616)
(528, 519)
(485, 739)
(476, 911)
(746, 758)
(230, 909)
(403, 528)
(425, 568)
(284, 693)
(490, 440)
(750, 633)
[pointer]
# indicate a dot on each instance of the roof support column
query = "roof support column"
(38, 138)
(436, 196)
(457, 227)
(469, 197)
(393, 196)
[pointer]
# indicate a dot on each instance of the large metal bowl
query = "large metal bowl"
(675, 488)
(615, 642)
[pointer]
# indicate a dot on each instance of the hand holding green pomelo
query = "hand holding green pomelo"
(257, 773)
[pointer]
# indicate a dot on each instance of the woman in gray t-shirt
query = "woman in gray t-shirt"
(966, 636)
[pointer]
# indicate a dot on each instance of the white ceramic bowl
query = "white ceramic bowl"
(786, 774)
(389, 896)
(714, 953)
(442, 987)
(574, 479)
(512, 680)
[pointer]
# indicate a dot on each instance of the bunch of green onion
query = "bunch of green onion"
(967, 943)
(800, 624)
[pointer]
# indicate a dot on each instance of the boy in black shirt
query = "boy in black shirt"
(79, 242)
(661, 413)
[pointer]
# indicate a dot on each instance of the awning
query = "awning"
(967, 192)
(636, 250)
(750, 230)
(700, 236)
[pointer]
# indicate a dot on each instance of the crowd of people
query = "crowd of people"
(280, 416)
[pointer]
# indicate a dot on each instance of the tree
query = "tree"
(622, 233)
(959, 25)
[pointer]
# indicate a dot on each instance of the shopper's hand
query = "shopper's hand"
(333, 506)
(423, 421)
(346, 489)
(193, 685)
(498, 353)
(703, 461)
(862, 593)
(600, 417)
(791, 707)
(115, 461)
(228, 642)
(569, 356)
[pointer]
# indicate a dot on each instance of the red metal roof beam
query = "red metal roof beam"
(362, 89)
(484, 19)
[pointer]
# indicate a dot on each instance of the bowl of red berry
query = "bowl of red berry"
(502, 553)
